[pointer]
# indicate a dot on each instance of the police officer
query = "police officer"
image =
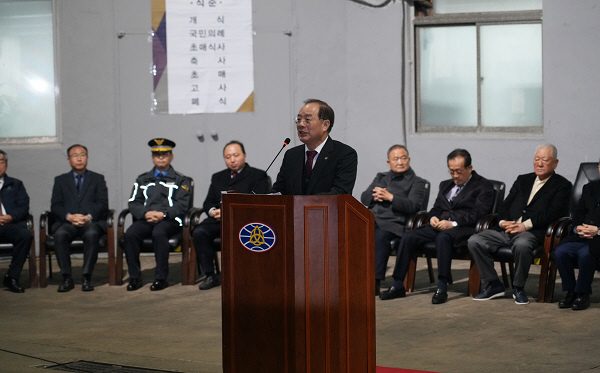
(159, 200)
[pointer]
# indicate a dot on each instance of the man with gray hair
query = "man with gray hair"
(535, 200)
(14, 207)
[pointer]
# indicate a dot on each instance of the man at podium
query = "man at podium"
(320, 166)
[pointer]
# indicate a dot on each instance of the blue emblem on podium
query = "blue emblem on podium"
(257, 237)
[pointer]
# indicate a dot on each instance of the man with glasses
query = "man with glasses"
(393, 197)
(159, 200)
(79, 205)
(322, 165)
(535, 200)
(460, 203)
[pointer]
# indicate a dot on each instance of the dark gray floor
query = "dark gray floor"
(179, 329)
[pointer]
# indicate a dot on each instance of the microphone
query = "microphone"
(286, 142)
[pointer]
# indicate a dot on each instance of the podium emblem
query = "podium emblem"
(257, 237)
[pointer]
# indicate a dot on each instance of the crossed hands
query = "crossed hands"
(381, 194)
(154, 216)
(512, 227)
(215, 213)
(440, 225)
(79, 220)
(587, 231)
(5, 219)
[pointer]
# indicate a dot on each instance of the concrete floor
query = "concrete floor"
(179, 329)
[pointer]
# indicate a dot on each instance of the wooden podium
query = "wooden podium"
(304, 299)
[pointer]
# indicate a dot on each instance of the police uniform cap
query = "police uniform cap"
(161, 145)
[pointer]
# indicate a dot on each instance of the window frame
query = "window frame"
(477, 20)
(57, 138)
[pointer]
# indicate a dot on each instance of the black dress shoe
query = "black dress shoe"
(392, 293)
(209, 282)
(581, 302)
(86, 285)
(13, 285)
(440, 296)
(567, 302)
(66, 285)
(159, 285)
(134, 284)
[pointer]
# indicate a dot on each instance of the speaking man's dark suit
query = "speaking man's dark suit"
(333, 173)
(92, 200)
(16, 203)
(549, 203)
(579, 252)
(474, 201)
(245, 181)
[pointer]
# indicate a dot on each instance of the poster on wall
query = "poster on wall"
(202, 56)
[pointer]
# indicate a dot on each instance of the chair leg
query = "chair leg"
(217, 266)
(474, 280)
(409, 281)
(504, 274)
(50, 265)
(511, 271)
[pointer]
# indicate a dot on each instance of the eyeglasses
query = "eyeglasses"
(458, 172)
(306, 120)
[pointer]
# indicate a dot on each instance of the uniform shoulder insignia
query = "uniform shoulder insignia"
(185, 187)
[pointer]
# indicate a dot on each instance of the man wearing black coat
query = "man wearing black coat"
(535, 200)
(581, 249)
(79, 206)
(320, 166)
(14, 207)
(238, 177)
(460, 203)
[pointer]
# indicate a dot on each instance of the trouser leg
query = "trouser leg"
(522, 245)
(63, 236)
(160, 243)
(90, 234)
(409, 243)
(21, 238)
(482, 246)
(134, 236)
(204, 235)
(444, 245)
(382, 251)
(565, 257)
(587, 266)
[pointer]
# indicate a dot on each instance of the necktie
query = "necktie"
(78, 183)
(310, 156)
(233, 174)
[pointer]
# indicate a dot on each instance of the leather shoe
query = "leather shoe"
(581, 302)
(13, 285)
(209, 282)
(440, 296)
(159, 285)
(86, 285)
(134, 284)
(393, 293)
(567, 302)
(66, 285)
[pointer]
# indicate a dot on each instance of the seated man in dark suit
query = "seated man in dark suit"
(322, 165)
(14, 207)
(460, 203)
(581, 249)
(393, 197)
(159, 200)
(79, 205)
(535, 200)
(238, 177)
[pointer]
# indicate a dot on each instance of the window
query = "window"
(480, 71)
(27, 89)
